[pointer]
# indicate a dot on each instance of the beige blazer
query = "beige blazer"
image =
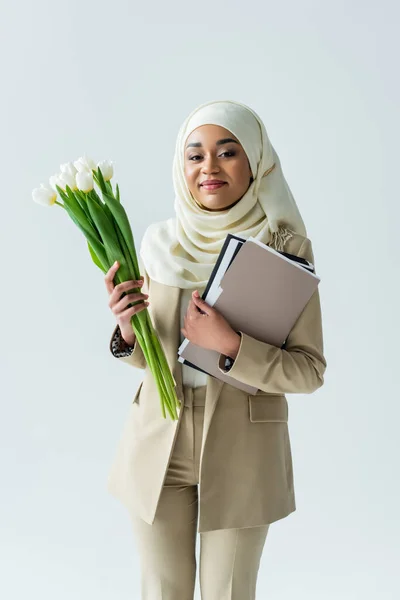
(246, 475)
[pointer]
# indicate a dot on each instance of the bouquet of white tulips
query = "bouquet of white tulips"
(105, 225)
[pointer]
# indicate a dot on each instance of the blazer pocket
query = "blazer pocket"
(136, 397)
(268, 409)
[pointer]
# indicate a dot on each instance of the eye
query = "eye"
(230, 153)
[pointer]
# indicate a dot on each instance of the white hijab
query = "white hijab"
(182, 251)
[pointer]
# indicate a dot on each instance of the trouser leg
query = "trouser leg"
(229, 562)
(167, 547)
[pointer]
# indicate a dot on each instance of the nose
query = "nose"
(210, 165)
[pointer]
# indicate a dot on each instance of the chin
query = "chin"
(219, 203)
(213, 205)
(219, 208)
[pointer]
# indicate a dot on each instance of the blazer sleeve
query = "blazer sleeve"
(132, 355)
(298, 367)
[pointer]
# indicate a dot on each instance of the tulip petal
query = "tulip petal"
(84, 181)
(44, 195)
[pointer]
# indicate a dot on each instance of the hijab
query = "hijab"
(182, 251)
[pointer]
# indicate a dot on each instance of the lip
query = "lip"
(212, 184)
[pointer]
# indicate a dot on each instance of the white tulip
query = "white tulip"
(106, 168)
(44, 195)
(68, 168)
(55, 180)
(84, 163)
(67, 179)
(84, 180)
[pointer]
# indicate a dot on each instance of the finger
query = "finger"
(133, 310)
(201, 304)
(109, 276)
(120, 306)
(129, 285)
(192, 312)
(186, 327)
(125, 286)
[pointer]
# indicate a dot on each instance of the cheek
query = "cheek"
(241, 174)
(190, 175)
(191, 180)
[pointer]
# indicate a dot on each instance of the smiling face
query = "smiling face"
(214, 154)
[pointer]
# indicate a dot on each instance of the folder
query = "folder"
(259, 291)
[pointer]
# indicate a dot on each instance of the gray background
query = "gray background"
(116, 81)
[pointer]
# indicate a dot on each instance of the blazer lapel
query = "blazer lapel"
(165, 311)
(214, 387)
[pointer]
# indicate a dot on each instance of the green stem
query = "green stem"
(160, 350)
(155, 358)
(158, 371)
(158, 364)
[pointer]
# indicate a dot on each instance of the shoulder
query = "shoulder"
(160, 230)
(157, 240)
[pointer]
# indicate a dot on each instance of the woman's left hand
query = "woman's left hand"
(210, 330)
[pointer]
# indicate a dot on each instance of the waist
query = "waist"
(194, 396)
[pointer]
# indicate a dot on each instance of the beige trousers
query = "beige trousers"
(229, 558)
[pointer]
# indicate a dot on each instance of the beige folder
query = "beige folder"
(262, 294)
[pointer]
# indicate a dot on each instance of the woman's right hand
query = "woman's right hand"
(119, 306)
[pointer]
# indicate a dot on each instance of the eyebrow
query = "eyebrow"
(219, 143)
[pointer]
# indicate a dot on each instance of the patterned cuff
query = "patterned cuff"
(119, 347)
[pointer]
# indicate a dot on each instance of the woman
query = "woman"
(224, 468)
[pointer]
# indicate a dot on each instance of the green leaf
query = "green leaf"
(95, 258)
(93, 240)
(121, 219)
(109, 188)
(80, 198)
(79, 214)
(93, 194)
(132, 273)
(109, 237)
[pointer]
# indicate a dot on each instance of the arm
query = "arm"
(132, 355)
(298, 368)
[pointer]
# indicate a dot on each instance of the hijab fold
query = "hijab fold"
(183, 250)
